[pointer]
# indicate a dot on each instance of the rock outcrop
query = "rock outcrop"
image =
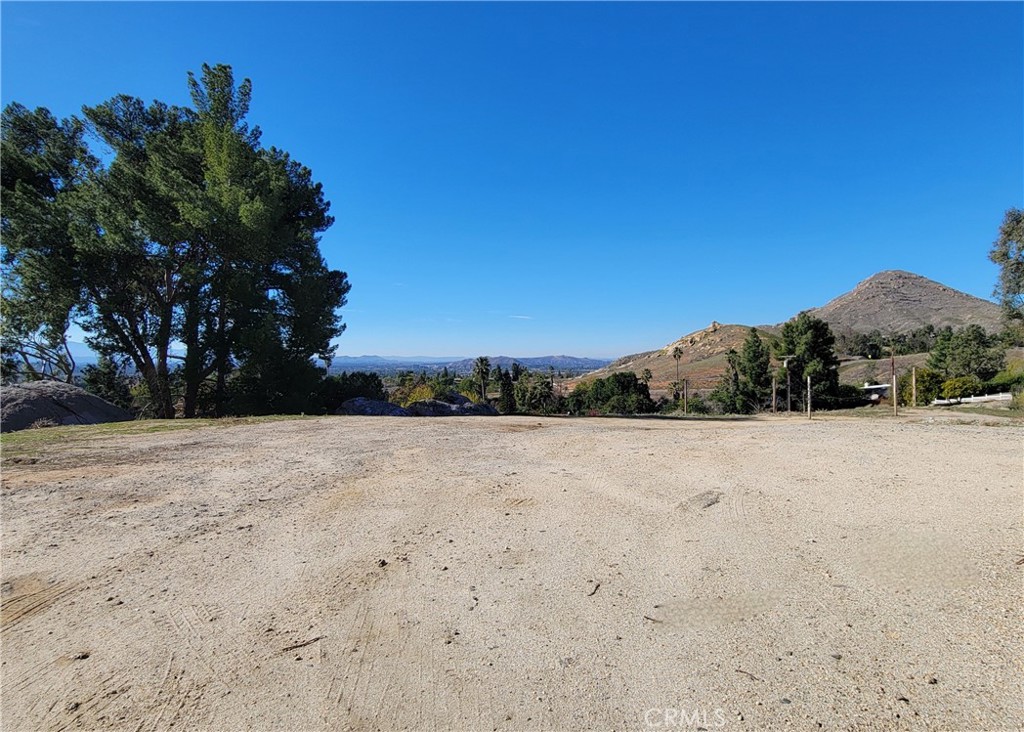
(372, 408)
(438, 408)
(54, 403)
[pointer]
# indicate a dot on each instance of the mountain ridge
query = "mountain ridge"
(891, 301)
(897, 301)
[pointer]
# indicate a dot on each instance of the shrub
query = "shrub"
(1009, 379)
(960, 387)
(419, 393)
(620, 393)
(929, 387)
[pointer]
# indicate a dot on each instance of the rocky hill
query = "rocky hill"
(891, 302)
(898, 302)
(702, 361)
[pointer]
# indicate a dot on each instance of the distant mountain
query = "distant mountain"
(355, 362)
(431, 364)
(899, 302)
(558, 363)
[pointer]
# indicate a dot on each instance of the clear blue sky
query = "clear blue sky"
(592, 179)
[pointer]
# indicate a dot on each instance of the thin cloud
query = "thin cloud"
(521, 317)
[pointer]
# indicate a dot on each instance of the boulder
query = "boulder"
(371, 408)
(438, 408)
(483, 410)
(56, 403)
(453, 397)
(432, 408)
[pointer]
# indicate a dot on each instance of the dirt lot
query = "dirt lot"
(516, 574)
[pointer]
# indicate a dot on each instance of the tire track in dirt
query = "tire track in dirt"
(30, 595)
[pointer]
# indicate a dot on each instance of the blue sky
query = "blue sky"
(592, 178)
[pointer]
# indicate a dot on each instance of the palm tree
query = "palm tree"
(677, 354)
(482, 372)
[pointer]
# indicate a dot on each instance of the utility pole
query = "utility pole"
(913, 385)
(685, 395)
(774, 390)
(808, 396)
(893, 391)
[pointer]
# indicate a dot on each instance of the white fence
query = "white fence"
(974, 399)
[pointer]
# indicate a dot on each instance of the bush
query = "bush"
(621, 393)
(929, 387)
(533, 393)
(1010, 379)
(961, 386)
(418, 393)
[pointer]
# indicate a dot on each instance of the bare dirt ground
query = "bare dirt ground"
(517, 574)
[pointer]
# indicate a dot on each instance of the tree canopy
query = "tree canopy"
(193, 244)
(808, 345)
(969, 351)
(1008, 253)
(746, 385)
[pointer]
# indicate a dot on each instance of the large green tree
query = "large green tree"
(969, 351)
(193, 244)
(46, 165)
(808, 345)
(1008, 253)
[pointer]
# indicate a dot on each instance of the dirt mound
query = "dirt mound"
(22, 405)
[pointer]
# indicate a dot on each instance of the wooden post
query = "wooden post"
(774, 391)
(913, 386)
(808, 397)
(685, 395)
(894, 391)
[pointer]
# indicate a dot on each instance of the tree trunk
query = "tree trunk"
(222, 361)
(193, 369)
